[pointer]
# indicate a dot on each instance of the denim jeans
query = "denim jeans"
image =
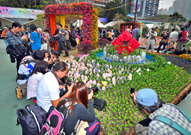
(160, 47)
(6, 43)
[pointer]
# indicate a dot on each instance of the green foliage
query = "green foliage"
(187, 46)
(136, 52)
(176, 19)
(110, 49)
(111, 13)
(121, 114)
(33, 4)
(127, 19)
(159, 18)
(161, 29)
(109, 28)
(145, 31)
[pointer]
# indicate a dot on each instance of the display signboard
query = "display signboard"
(9, 12)
(138, 5)
(104, 20)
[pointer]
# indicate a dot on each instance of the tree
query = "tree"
(158, 18)
(176, 19)
(110, 14)
(33, 4)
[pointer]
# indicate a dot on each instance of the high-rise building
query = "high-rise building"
(177, 6)
(150, 8)
(181, 6)
(189, 12)
(160, 11)
(184, 7)
(165, 11)
(128, 8)
(170, 10)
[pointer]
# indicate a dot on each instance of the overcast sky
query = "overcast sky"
(165, 3)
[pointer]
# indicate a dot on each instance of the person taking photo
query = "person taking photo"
(48, 89)
(14, 39)
(78, 103)
(151, 39)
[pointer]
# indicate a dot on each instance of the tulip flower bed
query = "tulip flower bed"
(115, 81)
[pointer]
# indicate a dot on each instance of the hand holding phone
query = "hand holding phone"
(132, 90)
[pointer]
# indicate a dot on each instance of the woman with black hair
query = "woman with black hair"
(35, 38)
(40, 68)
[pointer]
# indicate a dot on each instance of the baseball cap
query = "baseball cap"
(147, 97)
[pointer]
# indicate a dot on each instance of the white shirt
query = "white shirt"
(32, 84)
(173, 36)
(47, 91)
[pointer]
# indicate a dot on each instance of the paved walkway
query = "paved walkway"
(8, 101)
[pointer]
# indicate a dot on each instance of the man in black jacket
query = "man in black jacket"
(15, 40)
(61, 39)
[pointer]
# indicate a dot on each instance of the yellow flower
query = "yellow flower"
(95, 28)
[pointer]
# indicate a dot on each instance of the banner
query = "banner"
(138, 6)
(103, 20)
(9, 12)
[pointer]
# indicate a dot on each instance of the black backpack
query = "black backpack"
(31, 118)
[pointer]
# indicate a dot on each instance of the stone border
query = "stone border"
(183, 93)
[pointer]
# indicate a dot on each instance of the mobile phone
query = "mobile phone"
(132, 90)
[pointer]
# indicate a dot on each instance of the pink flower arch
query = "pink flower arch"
(83, 8)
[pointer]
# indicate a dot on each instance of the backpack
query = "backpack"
(94, 128)
(24, 76)
(56, 121)
(184, 36)
(176, 120)
(31, 118)
(138, 32)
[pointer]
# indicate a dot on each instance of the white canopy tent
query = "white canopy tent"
(150, 25)
(100, 25)
(113, 23)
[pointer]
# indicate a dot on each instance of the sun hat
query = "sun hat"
(147, 97)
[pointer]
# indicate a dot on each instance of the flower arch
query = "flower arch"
(82, 8)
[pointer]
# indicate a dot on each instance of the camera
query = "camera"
(94, 89)
(67, 82)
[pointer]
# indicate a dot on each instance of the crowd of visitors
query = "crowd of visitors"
(173, 42)
(40, 76)
(40, 73)
(108, 34)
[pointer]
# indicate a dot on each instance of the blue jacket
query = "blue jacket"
(36, 37)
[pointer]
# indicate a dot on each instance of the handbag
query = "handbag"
(164, 41)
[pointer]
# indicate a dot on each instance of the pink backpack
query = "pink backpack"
(55, 123)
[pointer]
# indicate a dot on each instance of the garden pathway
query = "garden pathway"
(8, 101)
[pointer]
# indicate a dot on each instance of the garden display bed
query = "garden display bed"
(115, 81)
